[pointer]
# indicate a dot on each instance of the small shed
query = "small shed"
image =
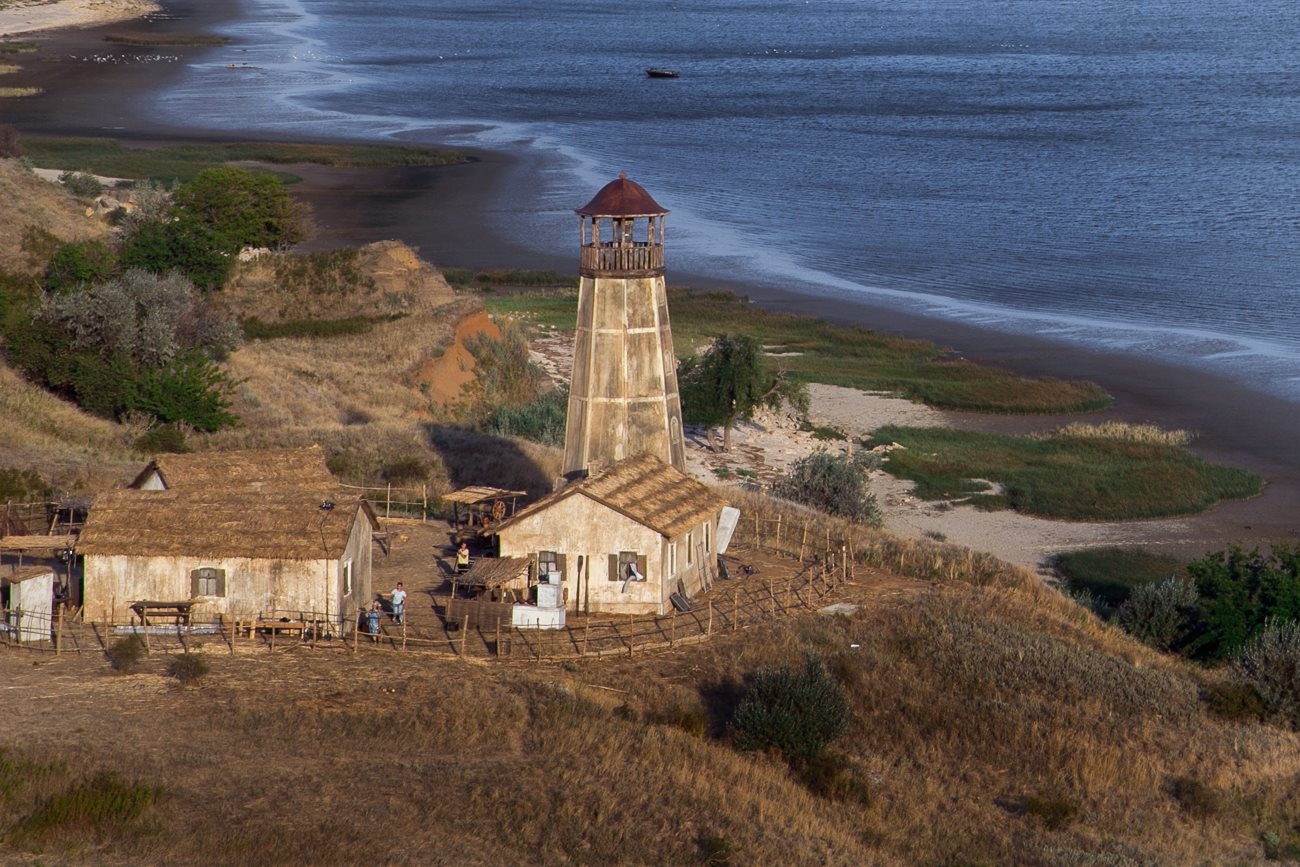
(27, 603)
(496, 578)
(623, 541)
(484, 506)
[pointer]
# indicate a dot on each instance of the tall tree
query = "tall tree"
(729, 381)
(243, 208)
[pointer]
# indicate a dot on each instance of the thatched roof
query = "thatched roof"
(280, 525)
(37, 543)
(493, 572)
(479, 494)
(644, 489)
(258, 469)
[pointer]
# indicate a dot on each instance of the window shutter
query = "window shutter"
(561, 560)
(641, 566)
(613, 568)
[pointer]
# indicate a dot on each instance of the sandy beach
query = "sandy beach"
(442, 212)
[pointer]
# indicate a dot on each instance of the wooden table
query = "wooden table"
(286, 627)
(176, 612)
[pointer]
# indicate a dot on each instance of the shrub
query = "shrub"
(1270, 662)
(1234, 701)
(184, 245)
(1158, 614)
(1240, 591)
(1195, 797)
(542, 421)
(835, 484)
(188, 667)
(796, 712)
(83, 185)
(1111, 573)
(189, 390)
(125, 654)
(78, 263)
(162, 439)
(1054, 811)
(10, 143)
(19, 485)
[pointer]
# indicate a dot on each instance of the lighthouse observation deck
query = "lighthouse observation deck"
(636, 259)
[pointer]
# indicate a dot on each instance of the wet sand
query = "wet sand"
(443, 212)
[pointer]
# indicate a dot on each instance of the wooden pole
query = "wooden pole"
(735, 608)
(803, 543)
(777, 546)
(58, 638)
(464, 634)
(672, 626)
(586, 634)
(147, 648)
(758, 539)
(497, 646)
(709, 629)
(356, 634)
(844, 562)
(273, 631)
(771, 591)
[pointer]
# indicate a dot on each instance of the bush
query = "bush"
(1270, 663)
(1240, 591)
(188, 667)
(77, 264)
(1158, 614)
(83, 185)
(184, 245)
(125, 654)
(835, 484)
(162, 439)
(796, 712)
(189, 390)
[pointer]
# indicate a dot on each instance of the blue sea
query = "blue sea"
(1117, 173)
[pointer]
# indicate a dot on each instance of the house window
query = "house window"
(547, 562)
(347, 577)
(625, 565)
(208, 582)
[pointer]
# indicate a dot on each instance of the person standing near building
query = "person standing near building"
(399, 604)
(462, 558)
(372, 620)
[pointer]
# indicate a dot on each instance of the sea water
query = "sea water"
(1117, 173)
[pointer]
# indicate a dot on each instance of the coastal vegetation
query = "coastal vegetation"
(810, 349)
(1063, 475)
(181, 162)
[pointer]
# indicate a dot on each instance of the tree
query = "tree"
(242, 208)
(77, 263)
(728, 382)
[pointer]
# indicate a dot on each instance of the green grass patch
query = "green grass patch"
(7, 48)
(489, 278)
(815, 350)
(182, 162)
(1083, 479)
(1110, 574)
(256, 329)
(160, 39)
(101, 806)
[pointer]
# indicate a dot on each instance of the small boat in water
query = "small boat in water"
(656, 72)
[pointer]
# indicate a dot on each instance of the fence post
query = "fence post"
(497, 645)
(803, 543)
(388, 502)
(586, 633)
(758, 538)
(424, 503)
(464, 634)
(709, 629)
(672, 628)
(735, 608)
(58, 637)
(844, 562)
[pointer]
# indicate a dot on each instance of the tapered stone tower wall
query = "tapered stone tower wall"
(623, 397)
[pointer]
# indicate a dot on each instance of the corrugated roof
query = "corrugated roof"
(622, 198)
(644, 489)
(259, 469)
(280, 525)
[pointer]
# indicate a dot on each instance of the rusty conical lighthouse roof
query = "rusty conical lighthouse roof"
(622, 198)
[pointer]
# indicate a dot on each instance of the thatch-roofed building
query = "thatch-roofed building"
(238, 534)
(623, 540)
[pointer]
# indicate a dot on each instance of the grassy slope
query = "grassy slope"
(972, 708)
(42, 204)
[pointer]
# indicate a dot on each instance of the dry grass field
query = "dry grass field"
(990, 725)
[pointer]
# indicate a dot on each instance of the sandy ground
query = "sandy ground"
(30, 16)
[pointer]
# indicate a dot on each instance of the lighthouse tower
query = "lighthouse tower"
(623, 399)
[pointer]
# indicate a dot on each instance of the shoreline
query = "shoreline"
(444, 212)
